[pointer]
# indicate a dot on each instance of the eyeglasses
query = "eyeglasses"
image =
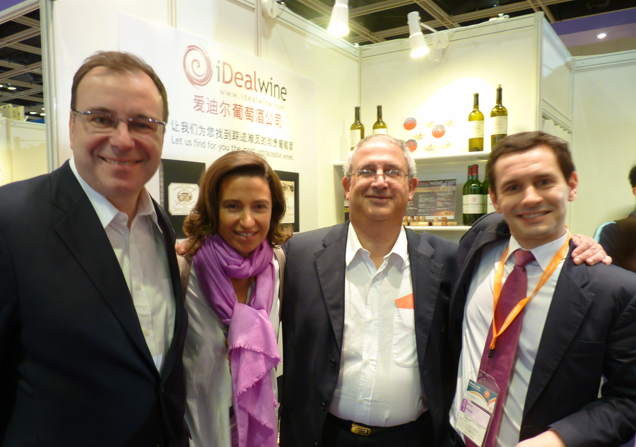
(103, 122)
(390, 175)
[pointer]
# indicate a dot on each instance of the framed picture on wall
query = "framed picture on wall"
(179, 189)
(289, 181)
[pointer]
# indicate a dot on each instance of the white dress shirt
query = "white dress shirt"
(379, 379)
(207, 369)
(141, 253)
(478, 318)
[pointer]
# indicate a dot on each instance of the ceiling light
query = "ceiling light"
(42, 114)
(33, 113)
(10, 87)
(339, 23)
(418, 44)
(602, 36)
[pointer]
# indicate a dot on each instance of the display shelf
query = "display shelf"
(438, 159)
(452, 229)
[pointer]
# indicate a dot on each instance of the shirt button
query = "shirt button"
(332, 363)
(368, 361)
(146, 332)
(371, 319)
(361, 401)
(323, 406)
(137, 287)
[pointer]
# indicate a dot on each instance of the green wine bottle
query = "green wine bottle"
(473, 199)
(379, 126)
(499, 115)
(356, 130)
(475, 127)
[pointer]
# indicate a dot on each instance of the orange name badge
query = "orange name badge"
(406, 302)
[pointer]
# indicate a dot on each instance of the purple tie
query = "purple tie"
(499, 365)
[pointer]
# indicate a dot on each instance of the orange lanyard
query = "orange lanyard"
(554, 263)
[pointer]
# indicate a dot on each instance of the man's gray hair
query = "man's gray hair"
(346, 167)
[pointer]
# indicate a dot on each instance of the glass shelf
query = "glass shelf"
(456, 228)
(445, 158)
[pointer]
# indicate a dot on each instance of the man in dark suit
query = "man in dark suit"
(618, 238)
(364, 317)
(578, 326)
(91, 316)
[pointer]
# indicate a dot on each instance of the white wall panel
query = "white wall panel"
(603, 138)
(226, 22)
(81, 27)
(476, 60)
(309, 52)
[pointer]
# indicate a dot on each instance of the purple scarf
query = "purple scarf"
(252, 345)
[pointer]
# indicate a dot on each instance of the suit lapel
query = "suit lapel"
(83, 234)
(572, 300)
(330, 266)
(469, 259)
(425, 278)
(175, 276)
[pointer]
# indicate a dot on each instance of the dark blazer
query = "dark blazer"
(313, 321)
(75, 369)
(590, 331)
(619, 241)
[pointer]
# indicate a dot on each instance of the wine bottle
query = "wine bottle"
(499, 116)
(379, 126)
(488, 206)
(469, 179)
(356, 130)
(476, 127)
(473, 199)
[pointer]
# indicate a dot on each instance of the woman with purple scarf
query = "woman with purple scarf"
(232, 299)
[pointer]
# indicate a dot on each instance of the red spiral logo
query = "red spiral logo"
(197, 66)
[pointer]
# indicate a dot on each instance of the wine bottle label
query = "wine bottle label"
(475, 129)
(473, 204)
(378, 131)
(488, 206)
(355, 136)
(500, 125)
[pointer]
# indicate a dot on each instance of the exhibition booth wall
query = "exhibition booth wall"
(588, 101)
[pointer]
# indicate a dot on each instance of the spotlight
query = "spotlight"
(339, 23)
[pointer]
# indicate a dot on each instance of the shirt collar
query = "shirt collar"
(105, 210)
(543, 253)
(399, 250)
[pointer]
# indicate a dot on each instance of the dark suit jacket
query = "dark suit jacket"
(75, 369)
(619, 241)
(313, 321)
(590, 332)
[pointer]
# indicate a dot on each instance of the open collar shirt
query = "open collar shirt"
(379, 379)
(478, 318)
(143, 259)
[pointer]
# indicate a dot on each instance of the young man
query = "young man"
(549, 353)
(92, 323)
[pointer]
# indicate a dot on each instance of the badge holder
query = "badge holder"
(478, 407)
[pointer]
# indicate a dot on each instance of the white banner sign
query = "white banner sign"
(221, 99)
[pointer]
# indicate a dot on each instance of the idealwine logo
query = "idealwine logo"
(200, 71)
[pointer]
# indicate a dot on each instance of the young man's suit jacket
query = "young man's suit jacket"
(313, 321)
(590, 332)
(75, 369)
